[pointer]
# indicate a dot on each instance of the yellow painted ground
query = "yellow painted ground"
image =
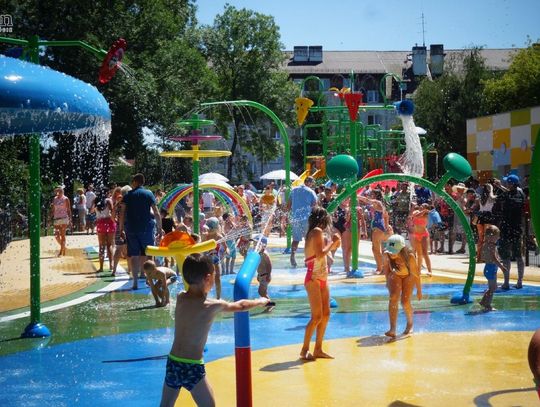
(443, 369)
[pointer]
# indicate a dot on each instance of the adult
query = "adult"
(401, 203)
(510, 244)
(423, 195)
(447, 219)
(472, 206)
(301, 200)
(105, 227)
(80, 205)
(316, 252)
(208, 202)
(90, 209)
(61, 215)
(137, 224)
(420, 236)
(326, 197)
(459, 195)
(402, 275)
(485, 215)
(346, 231)
(120, 244)
(380, 227)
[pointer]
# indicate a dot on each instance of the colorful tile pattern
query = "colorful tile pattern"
(502, 140)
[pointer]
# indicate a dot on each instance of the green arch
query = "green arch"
(351, 189)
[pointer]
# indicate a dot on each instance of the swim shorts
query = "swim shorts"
(183, 374)
(490, 271)
(137, 242)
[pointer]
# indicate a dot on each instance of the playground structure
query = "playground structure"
(35, 100)
(340, 132)
(195, 125)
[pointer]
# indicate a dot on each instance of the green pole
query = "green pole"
(34, 205)
(354, 202)
(284, 136)
(195, 168)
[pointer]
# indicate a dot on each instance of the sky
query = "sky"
(393, 25)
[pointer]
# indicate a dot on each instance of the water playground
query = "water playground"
(111, 348)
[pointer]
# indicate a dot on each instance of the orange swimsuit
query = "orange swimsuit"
(422, 222)
(317, 269)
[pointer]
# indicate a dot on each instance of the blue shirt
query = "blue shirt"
(138, 217)
(303, 199)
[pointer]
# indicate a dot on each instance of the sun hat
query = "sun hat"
(512, 179)
(460, 186)
(394, 244)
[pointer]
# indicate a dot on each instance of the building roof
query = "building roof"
(342, 62)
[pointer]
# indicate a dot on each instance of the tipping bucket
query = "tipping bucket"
(353, 101)
(302, 108)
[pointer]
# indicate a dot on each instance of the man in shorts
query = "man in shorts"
(301, 200)
(138, 225)
(511, 242)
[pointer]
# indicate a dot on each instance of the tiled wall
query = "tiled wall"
(502, 142)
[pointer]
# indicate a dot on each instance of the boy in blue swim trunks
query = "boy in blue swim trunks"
(194, 316)
(491, 257)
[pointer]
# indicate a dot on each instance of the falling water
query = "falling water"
(412, 161)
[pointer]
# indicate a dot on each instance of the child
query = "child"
(230, 258)
(216, 255)
(245, 237)
(434, 226)
(168, 225)
(193, 319)
(264, 271)
(159, 279)
(491, 257)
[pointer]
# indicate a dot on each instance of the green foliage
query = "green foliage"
(14, 174)
(244, 49)
(519, 87)
(444, 105)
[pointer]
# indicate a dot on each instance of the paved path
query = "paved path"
(60, 276)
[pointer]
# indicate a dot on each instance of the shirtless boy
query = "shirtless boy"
(194, 316)
(159, 279)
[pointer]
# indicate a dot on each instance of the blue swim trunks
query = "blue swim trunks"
(182, 372)
(490, 271)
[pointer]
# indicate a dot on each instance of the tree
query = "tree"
(164, 74)
(519, 87)
(245, 52)
(444, 105)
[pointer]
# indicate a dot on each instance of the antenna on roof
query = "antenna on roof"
(423, 31)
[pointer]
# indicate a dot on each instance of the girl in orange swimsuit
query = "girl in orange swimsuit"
(316, 281)
(420, 235)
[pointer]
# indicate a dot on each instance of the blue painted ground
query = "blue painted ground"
(128, 369)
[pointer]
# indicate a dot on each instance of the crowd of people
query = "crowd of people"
(127, 220)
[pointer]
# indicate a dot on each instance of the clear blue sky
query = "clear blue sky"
(393, 25)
